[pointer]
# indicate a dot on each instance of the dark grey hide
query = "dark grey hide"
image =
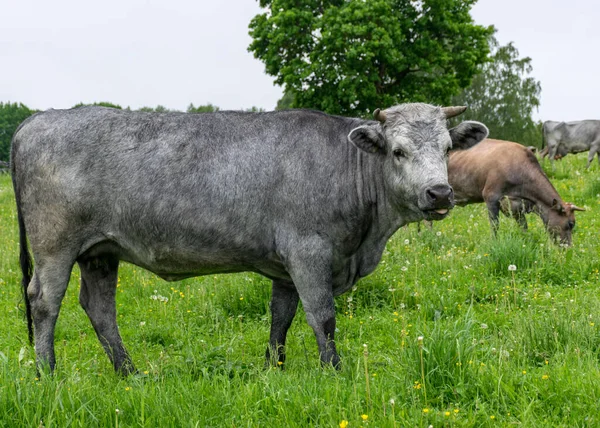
(563, 138)
(306, 199)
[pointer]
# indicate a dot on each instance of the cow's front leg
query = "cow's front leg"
(552, 153)
(320, 315)
(493, 197)
(310, 266)
(517, 211)
(284, 302)
(493, 206)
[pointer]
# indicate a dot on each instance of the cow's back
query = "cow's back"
(486, 166)
(578, 136)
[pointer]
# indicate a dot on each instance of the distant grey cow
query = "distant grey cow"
(562, 138)
(306, 199)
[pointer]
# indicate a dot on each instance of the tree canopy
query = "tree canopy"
(504, 96)
(350, 57)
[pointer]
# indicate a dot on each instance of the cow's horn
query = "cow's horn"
(379, 115)
(453, 111)
(575, 207)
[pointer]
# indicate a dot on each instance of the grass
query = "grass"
(498, 347)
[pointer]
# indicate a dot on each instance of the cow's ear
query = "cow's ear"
(368, 138)
(467, 134)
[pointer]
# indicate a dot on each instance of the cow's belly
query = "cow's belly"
(174, 263)
(578, 147)
(466, 198)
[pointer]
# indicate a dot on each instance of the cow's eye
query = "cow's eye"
(399, 153)
(571, 225)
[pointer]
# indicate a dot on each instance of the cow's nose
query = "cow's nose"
(439, 195)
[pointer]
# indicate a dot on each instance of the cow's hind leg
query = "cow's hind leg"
(45, 293)
(284, 303)
(97, 297)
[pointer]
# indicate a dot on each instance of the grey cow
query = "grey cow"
(562, 138)
(306, 199)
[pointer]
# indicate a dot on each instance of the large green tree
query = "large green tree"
(350, 57)
(504, 95)
(11, 116)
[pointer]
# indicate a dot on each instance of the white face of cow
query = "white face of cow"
(413, 141)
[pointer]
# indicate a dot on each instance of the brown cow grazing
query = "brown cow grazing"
(508, 178)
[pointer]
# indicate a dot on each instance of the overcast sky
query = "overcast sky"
(143, 53)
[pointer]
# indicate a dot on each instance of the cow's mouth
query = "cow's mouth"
(436, 214)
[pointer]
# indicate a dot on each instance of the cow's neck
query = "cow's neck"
(543, 194)
(373, 197)
(380, 218)
(543, 210)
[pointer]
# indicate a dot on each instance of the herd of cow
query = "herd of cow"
(306, 199)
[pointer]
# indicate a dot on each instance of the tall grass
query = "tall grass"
(498, 347)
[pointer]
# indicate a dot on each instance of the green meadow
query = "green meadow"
(442, 334)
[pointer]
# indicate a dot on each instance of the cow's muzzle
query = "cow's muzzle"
(439, 200)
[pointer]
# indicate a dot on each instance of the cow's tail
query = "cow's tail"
(24, 256)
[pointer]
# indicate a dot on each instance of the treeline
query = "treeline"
(12, 114)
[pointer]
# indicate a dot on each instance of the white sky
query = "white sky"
(143, 53)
